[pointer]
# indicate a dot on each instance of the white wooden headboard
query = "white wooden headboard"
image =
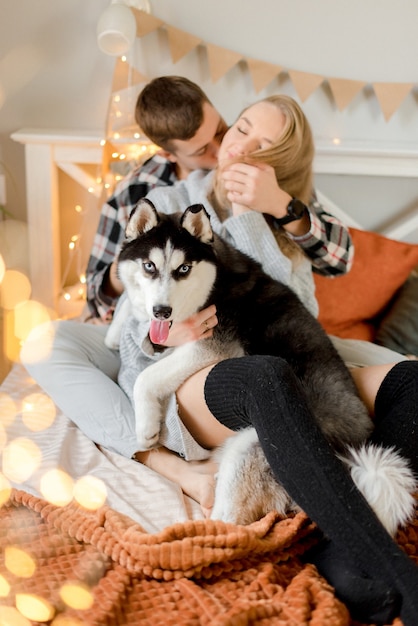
(48, 151)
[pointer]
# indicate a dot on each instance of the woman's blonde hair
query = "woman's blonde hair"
(291, 157)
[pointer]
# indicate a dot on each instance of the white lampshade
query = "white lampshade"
(116, 29)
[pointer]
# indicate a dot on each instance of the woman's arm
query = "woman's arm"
(323, 238)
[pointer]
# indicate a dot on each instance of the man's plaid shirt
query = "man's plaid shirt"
(328, 243)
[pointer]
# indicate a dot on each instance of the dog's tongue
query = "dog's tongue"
(158, 331)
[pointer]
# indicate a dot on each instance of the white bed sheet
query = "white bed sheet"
(132, 489)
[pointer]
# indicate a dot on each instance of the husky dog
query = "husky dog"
(174, 265)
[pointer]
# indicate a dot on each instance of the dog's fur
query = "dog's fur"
(173, 266)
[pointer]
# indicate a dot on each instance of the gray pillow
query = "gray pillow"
(398, 329)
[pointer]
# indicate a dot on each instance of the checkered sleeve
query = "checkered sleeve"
(328, 243)
(110, 233)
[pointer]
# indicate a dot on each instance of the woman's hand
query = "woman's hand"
(197, 326)
(254, 187)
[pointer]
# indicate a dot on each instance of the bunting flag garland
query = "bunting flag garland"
(344, 91)
(262, 73)
(180, 43)
(221, 60)
(391, 96)
(145, 22)
(305, 83)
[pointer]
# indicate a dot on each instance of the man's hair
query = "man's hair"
(168, 108)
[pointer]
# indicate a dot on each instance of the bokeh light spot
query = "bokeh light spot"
(14, 289)
(9, 616)
(2, 268)
(4, 587)
(90, 492)
(28, 315)
(21, 457)
(57, 487)
(3, 438)
(38, 412)
(77, 596)
(34, 607)
(5, 490)
(38, 344)
(8, 409)
(19, 562)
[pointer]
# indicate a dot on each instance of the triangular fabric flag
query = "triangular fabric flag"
(344, 90)
(305, 83)
(180, 43)
(262, 73)
(391, 96)
(124, 76)
(221, 61)
(145, 23)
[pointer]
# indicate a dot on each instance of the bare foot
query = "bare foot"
(199, 483)
(196, 478)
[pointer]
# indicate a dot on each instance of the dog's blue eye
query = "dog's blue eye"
(184, 269)
(149, 267)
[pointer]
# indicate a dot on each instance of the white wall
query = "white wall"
(52, 74)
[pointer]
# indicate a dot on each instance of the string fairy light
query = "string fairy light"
(76, 294)
(125, 148)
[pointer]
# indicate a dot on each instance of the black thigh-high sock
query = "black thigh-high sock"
(262, 392)
(396, 425)
(396, 412)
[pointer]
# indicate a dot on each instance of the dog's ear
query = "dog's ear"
(143, 217)
(196, 221)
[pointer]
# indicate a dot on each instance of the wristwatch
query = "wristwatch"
(295, 211)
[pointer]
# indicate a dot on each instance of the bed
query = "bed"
(143, 554)
(89, 537)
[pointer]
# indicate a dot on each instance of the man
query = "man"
(178, 117)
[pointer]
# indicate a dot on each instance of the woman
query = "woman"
(370, 573)
(368, 570)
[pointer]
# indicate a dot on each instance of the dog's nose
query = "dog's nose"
(162, 312)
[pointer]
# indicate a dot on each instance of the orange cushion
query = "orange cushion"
(350, 304)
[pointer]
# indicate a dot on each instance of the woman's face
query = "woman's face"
(258, 128)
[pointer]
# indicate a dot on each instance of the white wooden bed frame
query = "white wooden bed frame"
(48, 151)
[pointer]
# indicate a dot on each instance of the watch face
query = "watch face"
(296, 209)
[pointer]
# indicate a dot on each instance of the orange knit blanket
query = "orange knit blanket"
(71, 567)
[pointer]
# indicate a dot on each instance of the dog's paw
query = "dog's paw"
(147, 424)
(148, 420)
(147, 435)
(112, 342)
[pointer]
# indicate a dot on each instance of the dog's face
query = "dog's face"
(167, 265)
